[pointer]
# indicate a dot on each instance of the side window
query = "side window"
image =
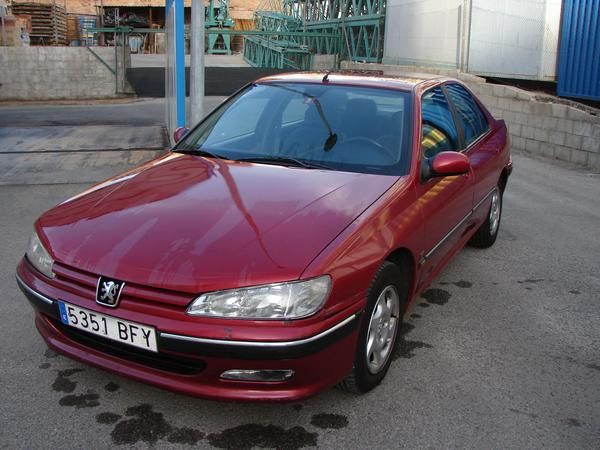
(469, 113)
(438, 129)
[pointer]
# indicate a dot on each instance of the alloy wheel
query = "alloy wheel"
(382, 329)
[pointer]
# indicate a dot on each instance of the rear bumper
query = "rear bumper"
(193, 365)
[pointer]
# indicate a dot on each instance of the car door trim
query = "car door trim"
(448, 235)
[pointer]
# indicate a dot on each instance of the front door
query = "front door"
(445, 202)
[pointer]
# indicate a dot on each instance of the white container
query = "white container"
(496, 38)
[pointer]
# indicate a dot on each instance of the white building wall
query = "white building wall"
(423, 32)
(504, 38)
(514, 38)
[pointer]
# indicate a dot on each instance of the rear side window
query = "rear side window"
(471, 118)
(438, 129)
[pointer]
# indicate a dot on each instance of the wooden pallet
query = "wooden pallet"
(48, 22)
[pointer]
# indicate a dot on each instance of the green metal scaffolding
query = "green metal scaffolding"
(348, 29)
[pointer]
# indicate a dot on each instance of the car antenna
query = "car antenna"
(326, 77)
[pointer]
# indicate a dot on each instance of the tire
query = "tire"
(487, 233)
(386, 302)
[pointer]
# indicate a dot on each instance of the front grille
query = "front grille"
(84, 284)
(161, 361)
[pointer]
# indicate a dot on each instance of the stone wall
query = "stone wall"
(537, 123)
(44, 73)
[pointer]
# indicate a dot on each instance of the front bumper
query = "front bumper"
(193, 365)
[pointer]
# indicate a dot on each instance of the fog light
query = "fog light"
(257, 375)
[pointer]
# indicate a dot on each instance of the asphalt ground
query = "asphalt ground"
(503, 350)
(140, 112)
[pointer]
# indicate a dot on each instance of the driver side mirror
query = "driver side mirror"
(445, 164)
(179, 133)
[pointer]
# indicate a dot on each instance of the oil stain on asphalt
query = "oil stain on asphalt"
(531, 281)
(63, 383)
(88, 400)
(572, 360)
(107, 418)
(436, 296)
(405, 347)
(111, 387)
(461, 284)
(572, 422)
(148, 426)
(246, 437)
(329, 421)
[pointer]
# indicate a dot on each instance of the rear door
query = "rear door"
(478, 144)
(445, 202)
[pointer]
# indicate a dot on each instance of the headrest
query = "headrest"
(362, 107)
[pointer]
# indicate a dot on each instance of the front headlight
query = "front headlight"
(291, 300)
(39, 257)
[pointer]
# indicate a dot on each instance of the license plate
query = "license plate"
(131, 333)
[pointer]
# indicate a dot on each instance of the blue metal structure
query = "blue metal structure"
(175, 76)
(579, 51)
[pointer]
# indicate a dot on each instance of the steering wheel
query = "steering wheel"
(315, 148)
(372, 142)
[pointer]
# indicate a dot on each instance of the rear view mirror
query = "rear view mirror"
(179, 133)
(450, 163)
(446, 164)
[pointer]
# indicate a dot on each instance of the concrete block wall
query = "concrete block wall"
(323, 62)
(537, 123)
(47, 73)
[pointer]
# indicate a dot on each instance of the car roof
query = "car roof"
(371, 78)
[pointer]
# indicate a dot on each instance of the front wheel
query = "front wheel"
(488, 231)
(379, 330)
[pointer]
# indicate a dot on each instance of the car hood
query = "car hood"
(192, 224)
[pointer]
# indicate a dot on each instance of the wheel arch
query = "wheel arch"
(404, 259)
(503, 179)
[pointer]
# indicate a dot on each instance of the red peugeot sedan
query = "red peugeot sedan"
(274, 251)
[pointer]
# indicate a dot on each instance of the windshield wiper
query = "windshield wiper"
(284, 161)
(198, 151)
(332, 138)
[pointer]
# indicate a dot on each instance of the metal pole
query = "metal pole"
(101, 36)
(2, 28)
(469, 24)
(115, 37)
(197, 62)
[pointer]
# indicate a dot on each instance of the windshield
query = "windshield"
(344, 128)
